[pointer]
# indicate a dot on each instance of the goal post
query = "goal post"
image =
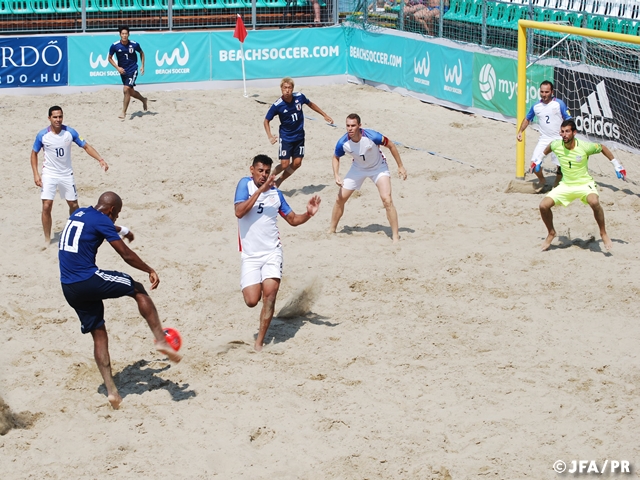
(523, 26)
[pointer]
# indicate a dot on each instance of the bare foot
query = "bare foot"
(608, 244)
(164, 347)
(115, 400)
(547, 241)
(144, 104)
(331, 230)
(122, 115)
(396, 239)
(257, 347)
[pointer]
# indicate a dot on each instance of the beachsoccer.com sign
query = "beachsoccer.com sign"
(33, 62)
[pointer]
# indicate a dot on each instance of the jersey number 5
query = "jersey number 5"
(67, 243)
(260, 207)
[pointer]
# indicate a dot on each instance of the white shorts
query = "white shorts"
(257, 268)
(65, 185)
(355, 177)
(539, 151)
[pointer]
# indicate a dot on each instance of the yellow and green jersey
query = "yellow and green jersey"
(574, 163)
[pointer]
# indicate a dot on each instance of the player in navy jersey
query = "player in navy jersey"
(85, 285)
(368, 162)
(288, 108)
(57, 172)
(257, 205)
(125, 51)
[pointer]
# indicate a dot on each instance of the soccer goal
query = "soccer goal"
(596, 73)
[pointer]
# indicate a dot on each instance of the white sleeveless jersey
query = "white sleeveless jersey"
(57, 150)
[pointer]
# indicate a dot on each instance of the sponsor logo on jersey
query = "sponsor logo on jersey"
(595, 114)
(422, 67)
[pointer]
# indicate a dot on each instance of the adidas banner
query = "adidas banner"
(601, 107)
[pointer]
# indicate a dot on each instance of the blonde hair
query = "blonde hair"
(288, 80)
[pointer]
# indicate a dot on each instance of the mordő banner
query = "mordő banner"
(33, 62)
(495, 85)
(601, 107)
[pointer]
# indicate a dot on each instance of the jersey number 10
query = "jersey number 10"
(71, 244)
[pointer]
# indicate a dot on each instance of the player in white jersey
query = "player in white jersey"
(551, 112)
(57, 173)
(257, 205)
(368, 162)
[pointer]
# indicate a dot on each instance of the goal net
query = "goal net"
(597, 74)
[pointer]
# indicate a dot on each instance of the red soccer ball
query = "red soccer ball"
(173, 338)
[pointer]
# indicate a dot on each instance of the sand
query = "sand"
(463, 352)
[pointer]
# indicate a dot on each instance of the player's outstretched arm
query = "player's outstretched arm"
(621, 172)
(242, 208)
(94, 153)
(34, 166)
(402, 173)
(267, 128)
(295, 219)
(523, 127)
(316, 108)
(135, 261)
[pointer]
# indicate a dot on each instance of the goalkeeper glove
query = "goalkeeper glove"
(535, 165)
(620, 171)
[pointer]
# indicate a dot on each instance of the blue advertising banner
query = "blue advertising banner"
(378, 57)
(169, 57)
(278, 53)
(33, 62)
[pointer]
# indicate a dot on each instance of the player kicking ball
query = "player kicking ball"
(257, 206)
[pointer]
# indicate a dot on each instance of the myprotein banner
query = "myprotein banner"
(278, 53)
(495, 85)
(601, 107)
(33, 62)
(170, 57)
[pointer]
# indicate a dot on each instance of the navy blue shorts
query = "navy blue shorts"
(291, 149)
(129, 80)
(86, 296)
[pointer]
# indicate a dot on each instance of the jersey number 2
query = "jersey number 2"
(71, 244)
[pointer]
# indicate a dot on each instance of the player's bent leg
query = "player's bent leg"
(338, 208)
(270, 287)
(47, 206)
(297, 163)
(252, 295)
(384, 189)
(594, 202)
(103, 361)
(546, 214)
(148, 310)
(73, 206)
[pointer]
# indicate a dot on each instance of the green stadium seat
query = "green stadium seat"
(212, 4)
(42, 6)
(596, 22)
(107, 5)
(235, 4)
(189, 4)
(64, 6)
(276, 3)
(20, 6)
(628, 27)
(164, 4)
(129, 5)
(151, 5)
(90, 5)
(506, 15)
(469, 11)
(4, 7)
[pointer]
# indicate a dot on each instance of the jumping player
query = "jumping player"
(85, 285)
(368, 162)
(125, 51)
(289, 111)
(257, 206)
(573, 154)
(551, 112)
(57, 173)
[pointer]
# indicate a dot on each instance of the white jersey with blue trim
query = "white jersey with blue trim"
(257, 230)
(550, 117)
(366, 153)
(57, 150)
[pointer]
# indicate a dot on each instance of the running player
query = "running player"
(125, 51)
(576, 182)
(551, 112)
(257, 205)
(85, 285)
(289, 111)
(57, 173)
(368, 162)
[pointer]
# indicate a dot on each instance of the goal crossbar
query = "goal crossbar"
(523, 25)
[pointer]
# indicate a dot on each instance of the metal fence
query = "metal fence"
(40, 16)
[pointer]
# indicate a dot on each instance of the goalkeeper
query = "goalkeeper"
(550, 111)
(573, 155)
